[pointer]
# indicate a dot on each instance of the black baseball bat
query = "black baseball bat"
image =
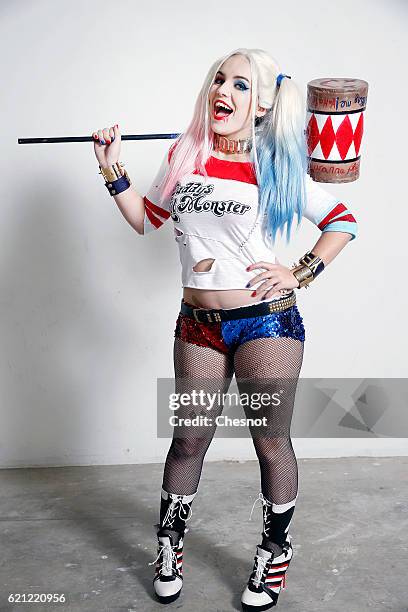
(90, 138)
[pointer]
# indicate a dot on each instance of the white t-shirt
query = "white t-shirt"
(220, 219)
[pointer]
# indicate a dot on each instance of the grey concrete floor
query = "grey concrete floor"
(87, 533)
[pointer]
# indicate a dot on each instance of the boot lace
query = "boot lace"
(170, 515)
(166, 550)
(169, 557)
(265, 504)
(259, 569)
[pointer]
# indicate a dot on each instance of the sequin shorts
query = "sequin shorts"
(226, 336)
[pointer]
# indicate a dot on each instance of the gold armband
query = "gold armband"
(310, 265)
(113, 172)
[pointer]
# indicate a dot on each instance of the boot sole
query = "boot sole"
(248, 608)
(169, 598)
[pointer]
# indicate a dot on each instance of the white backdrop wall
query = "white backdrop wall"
(88, 306)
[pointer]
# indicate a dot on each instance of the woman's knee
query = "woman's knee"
(273, 449)
(187, 448)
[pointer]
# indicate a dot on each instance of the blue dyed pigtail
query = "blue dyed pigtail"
(281, 161)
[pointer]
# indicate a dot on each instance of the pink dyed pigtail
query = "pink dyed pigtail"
(193, 147)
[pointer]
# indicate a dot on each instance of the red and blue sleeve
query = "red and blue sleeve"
(326, 211)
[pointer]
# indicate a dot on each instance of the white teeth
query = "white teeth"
(220, 106)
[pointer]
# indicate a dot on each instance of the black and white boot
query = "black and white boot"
(175, 511)
(168, 577)
(272, 560)
(267, 578)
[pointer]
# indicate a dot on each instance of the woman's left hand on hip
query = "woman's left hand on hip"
(276, 279)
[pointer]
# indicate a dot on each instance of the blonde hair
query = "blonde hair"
(279, 152)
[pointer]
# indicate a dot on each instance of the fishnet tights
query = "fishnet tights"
(263, 365)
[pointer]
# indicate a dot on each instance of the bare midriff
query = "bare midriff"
(228, 298)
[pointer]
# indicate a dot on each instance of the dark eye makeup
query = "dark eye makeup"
(241, 85)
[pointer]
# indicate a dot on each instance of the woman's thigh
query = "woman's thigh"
(192, 360)
(267, 372)
(202, 376)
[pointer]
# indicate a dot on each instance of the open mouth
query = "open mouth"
(222, 111)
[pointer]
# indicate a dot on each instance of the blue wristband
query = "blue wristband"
(121, 184)
(319, 269)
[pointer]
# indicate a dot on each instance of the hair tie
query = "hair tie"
(280, 77)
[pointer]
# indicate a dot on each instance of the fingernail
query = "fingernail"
(113, 138)
(247, 285)
(102, 141)
(108, 142)
(247, 269)
(263, 297)
(116, 125)
(253, 294)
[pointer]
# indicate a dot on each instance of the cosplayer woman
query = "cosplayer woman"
(230, 182)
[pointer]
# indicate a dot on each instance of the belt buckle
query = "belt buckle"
(195, 314)
(212, 317)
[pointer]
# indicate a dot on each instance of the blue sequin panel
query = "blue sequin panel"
(287, 323)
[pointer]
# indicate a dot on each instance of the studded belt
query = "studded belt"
(214, 315)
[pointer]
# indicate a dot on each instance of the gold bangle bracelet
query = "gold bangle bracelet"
(312, 261)
(113, 172)
(304, 271)
(310, 265)
(303, 275)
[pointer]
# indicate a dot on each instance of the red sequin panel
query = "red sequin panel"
(202, 334)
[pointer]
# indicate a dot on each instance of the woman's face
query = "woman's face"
(231, 87)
